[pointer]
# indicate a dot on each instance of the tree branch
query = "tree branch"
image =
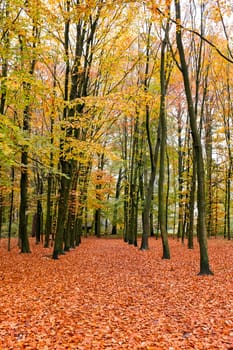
(196, 33)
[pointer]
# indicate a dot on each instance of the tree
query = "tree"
(164, 78)
(153, 152)
(202, 233)
(4, 71)
(28, 70)
(117, 196)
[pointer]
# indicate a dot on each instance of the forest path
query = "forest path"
(106, 294)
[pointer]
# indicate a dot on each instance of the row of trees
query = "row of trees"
(115, 115)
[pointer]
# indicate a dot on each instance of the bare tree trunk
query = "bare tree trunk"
(11, 207)
(163, 142)
(65, 167)
(115, 210)
(204, 259)
(153, 157)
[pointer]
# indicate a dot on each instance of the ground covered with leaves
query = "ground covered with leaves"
(106, 294)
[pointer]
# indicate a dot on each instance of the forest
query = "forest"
(116, 176)
(116, 119)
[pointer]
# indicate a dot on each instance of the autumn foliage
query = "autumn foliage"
(109, 295)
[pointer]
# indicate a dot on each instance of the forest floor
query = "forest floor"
(106, 294)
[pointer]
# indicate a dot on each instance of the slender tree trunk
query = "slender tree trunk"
(48, 223)
(5, 44)
(149, 190)
(163, 124)
(228, 136)
(133, 186)
(192, 205)
(49, 204)
(152, 223)
(98, 196)
(3, 90)
(62, 208)
(126, 182)
(204, 259)
(168, 189)
(98, 223)
(64, 163)
(208, 145)
(39, 222)
(69, 238)
(117, 196)
(39, 210)
(215, 231)
(11, 207)
(24, 242)
(23, 236)
(154, 153)
(180, 177)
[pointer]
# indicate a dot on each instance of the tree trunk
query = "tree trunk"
(39, 222)
(204, 259)
(98, 196)
(133, 187)
(24, 242)
(208, 146)
(62, 209)
(228, 127)
(180, 177)
(149, 191)
(163, 141)
(117, 195)
(3, 89)
(69, 238)
(98, 223)
(126, 182)
(65, 179)
(192, 205)
(23, 237)
(11, 207)
(49, 204)
(146, 224)
(48, 223)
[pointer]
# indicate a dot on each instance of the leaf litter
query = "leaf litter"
(106, 294)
